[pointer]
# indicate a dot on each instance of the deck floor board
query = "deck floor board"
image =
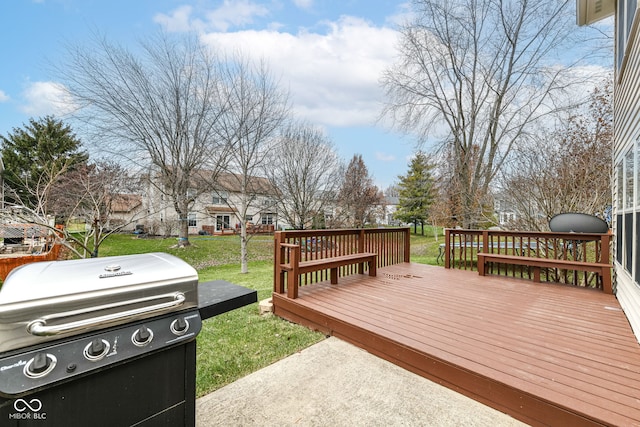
(546, 354)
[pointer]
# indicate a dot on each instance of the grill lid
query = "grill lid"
(49, 300)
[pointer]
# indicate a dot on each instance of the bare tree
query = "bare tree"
(567, 169)
(92, 194)
(481, 73)
(256, 108)
(358, 196)
(158, 106)
(88, 194)
(306, 171)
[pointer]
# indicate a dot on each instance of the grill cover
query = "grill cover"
(45, 301)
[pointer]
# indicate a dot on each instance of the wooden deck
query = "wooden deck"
(545, 354)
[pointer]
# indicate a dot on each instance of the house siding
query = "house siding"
(627, 207)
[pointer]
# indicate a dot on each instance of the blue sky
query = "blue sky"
(329, 54)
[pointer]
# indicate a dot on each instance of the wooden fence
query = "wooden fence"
(9, 263)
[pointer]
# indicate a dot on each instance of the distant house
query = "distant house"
(387, 210)
(626, 151)
(125, 209)
(505, 210)
(216, 210)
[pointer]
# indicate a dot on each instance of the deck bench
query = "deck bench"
(296, 267)
(603, 270)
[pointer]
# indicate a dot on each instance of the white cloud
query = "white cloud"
(235, 13)
(177, 21)
(3, 96)
(384, 157)
(232, 13)
(43, 98)
(332, 76)
(303, 4)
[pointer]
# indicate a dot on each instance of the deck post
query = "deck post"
(485, 242)
(605, 249)
(536, 274)
(447, 248)
(407, 244)
(278, 273)
(334, 275)
(293, 274)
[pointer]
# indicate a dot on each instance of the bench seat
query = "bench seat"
(603, 270)
(296, 267)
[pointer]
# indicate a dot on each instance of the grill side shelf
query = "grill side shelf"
(219, 296)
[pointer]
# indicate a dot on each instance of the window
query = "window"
(625, 14)
(628, 211)
(629, 180)
(223, 222)
(267, 218)
(220, 198)
(191, 219)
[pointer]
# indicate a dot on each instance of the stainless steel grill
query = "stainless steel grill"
(49, 300)
(112, 339)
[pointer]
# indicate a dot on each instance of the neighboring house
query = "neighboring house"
(505, 211)
(216, 210)
(125, 209)
(387, 210)
(626, 155)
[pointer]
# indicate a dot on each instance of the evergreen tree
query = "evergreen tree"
(35, 157)
(416, 192)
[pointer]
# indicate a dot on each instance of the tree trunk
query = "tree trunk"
(244, 258)
(183, 232)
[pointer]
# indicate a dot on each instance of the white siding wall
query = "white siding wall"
(627, 137)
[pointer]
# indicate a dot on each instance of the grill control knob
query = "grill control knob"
(142, 336)
(179, 326)
(40, 365)
(96, 349)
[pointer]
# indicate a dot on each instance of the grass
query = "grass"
(239, 342)
(242, 341)
(424, 249)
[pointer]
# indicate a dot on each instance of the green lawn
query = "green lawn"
(242, 341)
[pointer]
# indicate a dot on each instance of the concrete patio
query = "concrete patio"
(335, 383)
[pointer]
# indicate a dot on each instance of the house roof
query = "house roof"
(125, 202)
(590, 11)
(232, 183)
(212, 210)
(18, 231)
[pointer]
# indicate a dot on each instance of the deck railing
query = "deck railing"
(461, 250)
(390, 244)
